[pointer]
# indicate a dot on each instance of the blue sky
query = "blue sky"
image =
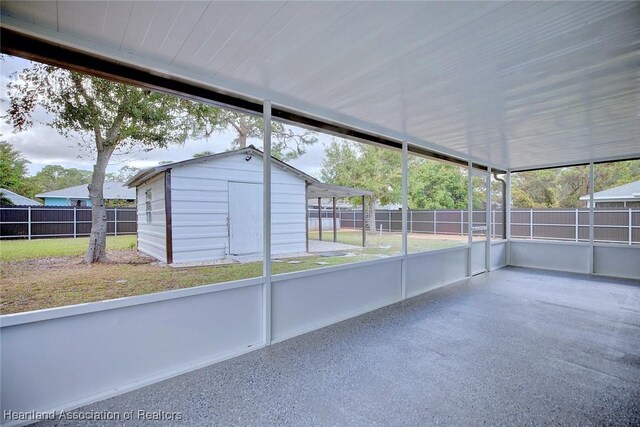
(42, 145)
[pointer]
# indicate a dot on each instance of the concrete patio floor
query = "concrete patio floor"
(510, 347)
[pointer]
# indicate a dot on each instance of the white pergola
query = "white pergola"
(493, 86)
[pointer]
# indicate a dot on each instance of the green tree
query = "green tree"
(364, 166)
(520, 199)
(563, 187)
(4, 200)
(13, 169)
(436, 185)
(287, 143)
(622, 173)
(55, 177)
(113, 116)
(571, 183)
(124, 174)
(203, 154)
(539, 187)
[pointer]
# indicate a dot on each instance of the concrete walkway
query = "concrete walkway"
(316, 246)
(510, 347)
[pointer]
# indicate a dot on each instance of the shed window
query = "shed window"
(148, 205)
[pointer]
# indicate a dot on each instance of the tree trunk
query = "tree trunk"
(242, 140)
(97, 251)
(372, 215)
(243, 129)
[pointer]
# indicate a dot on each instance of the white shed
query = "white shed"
(210, 208)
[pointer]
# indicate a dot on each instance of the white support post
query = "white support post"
(493, 223)
(75, 222)
(266, 172)
(577, 226)
(405, 204)
(411, 221)
(435, 222)
(530, 223)
(487, 252)
(630, 226)
(470, 214)
(405, 192)
(115, 221)
(29, 220)
(320, 219)
(507, 215)
(591, 215)
(335, 226)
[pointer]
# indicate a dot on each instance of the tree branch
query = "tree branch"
(77, 81)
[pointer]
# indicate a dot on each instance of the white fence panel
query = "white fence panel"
(478, 257)
(498, 254)
(561, 256)
(429, 270)
(617, 261)
(312, 299)
(63, 358)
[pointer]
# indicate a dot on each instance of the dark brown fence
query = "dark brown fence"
(37, 222)
(611, 225)
(418, 221)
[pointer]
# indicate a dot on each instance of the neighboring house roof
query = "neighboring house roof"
(630, 191)
(17, 199)
(316, 188)
(112, 190)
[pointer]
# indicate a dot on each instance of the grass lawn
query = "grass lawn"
(16, 250)
(49, 273)
(391, 243)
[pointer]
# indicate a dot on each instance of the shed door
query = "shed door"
(245, 218)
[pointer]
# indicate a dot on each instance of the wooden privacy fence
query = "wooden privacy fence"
(620, 225)
(36, 222)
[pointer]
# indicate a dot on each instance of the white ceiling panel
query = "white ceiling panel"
(109, 20)
(248, 59)
(36, 12)
(214, 28)
(513, 84)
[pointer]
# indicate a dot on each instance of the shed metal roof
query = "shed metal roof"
(630, 191)
(315, 188)
(112, 190)
(150, 173)
(511, 84)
